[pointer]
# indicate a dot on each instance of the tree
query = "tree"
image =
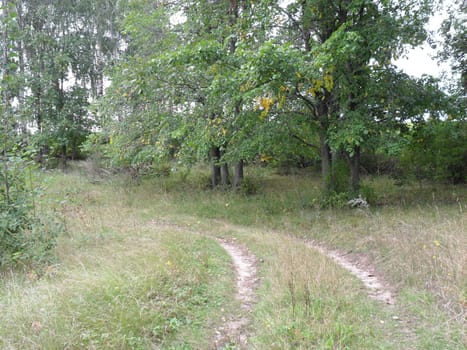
(330, 71)
(226, 79)
(25, 236)
(454, 33)
(63, 49)
(182, 85)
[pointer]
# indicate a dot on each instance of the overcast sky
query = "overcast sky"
(421, 60)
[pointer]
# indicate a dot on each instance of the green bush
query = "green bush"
(338, 181)
(334, 200)
(437, 151)
(30, 244)
(26, 237)
(368, 193)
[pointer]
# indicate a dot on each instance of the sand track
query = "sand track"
(234, 329)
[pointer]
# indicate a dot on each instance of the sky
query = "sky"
(421, 60)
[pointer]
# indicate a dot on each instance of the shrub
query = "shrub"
(338, 181)
(26, 237)
(368, 193)
(437, 151)
(334, 200)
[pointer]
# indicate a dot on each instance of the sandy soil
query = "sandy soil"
(378, 289)
(234, 329)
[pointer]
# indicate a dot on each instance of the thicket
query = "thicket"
(437, 151)
(27, 236)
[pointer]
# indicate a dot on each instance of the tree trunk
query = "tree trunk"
(63, 158)
(325, 161)
(225, 177)
(354, 165)
(6, 180)
(238, 174)
(214, 155)
(74, 152)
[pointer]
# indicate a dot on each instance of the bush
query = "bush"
(368, 193)
(338, 182)
(437, 151)
(30, 244)
(362, 199)
(334, 200)
(26, 237)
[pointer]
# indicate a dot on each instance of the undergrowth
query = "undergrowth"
(28, 232)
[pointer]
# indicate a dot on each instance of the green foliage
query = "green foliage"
(334, 200)
(338, 180)
(369, 193)
(454, 35)
(59, 50)
(27, 237)
(437, 151)
(263, 80)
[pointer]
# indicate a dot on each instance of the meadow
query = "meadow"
(138, 267)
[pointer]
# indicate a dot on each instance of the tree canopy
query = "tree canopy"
(228, 82)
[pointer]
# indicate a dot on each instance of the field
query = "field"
(141, 266)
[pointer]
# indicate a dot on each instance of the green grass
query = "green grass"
(134, 273)
(119, 284)
(129, 295)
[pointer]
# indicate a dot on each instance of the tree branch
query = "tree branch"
(305, 142)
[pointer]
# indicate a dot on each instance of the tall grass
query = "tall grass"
(121, 283)
(136, 272)
(414, 235)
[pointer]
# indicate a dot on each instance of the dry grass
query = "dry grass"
(121, 283)
(125, 242)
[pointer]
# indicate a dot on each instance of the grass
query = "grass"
(128, 297)
(133, 273)
(119, 285)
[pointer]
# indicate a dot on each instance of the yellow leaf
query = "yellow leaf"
(318, 84)
(328, 82)
(264, 158)
(265, 103)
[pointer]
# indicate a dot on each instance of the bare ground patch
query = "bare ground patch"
(234, 330)
(378, 288)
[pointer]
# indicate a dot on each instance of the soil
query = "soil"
(377, 287)
(234, 329)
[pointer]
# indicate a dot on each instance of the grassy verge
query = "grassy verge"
(415, 235)
(133, 275)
